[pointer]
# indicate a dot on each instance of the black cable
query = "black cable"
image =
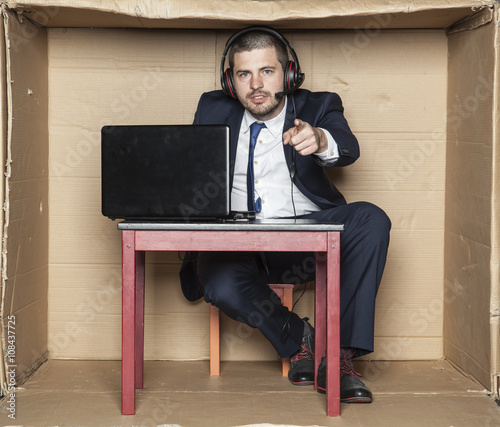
(293, 202)
(286, 327)
(292, 166)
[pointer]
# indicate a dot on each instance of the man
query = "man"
(267, 127)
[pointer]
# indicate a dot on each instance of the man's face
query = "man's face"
(258, 76)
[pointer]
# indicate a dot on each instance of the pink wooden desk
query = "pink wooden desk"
(276, 235)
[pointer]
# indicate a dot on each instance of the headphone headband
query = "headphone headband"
(293, 76)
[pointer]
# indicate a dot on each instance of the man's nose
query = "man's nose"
(256, 82)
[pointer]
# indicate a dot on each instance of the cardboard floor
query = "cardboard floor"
(87, 393)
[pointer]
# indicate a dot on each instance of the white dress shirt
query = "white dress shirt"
(272, 177)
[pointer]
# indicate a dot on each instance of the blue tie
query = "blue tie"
(253, 205)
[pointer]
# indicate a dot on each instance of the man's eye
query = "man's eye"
(268, 71)
(243, 75)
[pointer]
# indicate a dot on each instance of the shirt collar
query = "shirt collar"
(275, 126)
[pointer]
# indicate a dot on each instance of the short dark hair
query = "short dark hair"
(258, 40)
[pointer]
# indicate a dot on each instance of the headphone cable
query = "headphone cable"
(293, 166)
(285, 331)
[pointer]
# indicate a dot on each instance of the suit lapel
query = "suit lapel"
(234, 123)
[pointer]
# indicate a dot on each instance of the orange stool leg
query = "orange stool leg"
(214, 341)
(284, 292)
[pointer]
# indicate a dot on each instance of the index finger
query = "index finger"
(299, 124)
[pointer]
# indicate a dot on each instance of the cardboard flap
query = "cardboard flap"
(235, 13)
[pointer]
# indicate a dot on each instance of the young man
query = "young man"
(270, 119)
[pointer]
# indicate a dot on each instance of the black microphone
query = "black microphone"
(300, 80)
(282, 94)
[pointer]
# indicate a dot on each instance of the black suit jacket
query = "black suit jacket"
(319, 109)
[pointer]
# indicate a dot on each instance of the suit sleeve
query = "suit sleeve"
(329, 115)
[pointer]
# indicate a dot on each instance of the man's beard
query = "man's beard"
(260, 111)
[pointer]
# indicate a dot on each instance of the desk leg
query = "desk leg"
(139, 317)
(319, 313)
(333, 325)
(128, 322)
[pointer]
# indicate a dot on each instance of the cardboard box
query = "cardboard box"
(420, 88)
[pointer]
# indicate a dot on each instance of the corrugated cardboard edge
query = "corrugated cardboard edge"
(3, 144)
(6, 134)
(495, 226)
(237, 9)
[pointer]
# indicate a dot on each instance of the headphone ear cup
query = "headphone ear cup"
(290, 75)
(227, 84)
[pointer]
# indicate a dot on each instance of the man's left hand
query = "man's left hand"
(305, 139)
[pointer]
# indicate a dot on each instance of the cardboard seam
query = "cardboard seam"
(483, 15)
(470, 358)
(37, 364)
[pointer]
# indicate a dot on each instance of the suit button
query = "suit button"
(345, 151)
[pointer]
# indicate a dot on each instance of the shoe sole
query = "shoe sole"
(349, 399)
(302, 383)
(357, 400)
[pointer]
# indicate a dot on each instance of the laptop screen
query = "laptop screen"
(165, 172)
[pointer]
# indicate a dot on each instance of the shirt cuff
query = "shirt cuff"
(331, 155)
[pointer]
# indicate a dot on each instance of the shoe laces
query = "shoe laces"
(303, 353)
(346, 367)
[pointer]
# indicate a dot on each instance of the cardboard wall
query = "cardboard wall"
(100, 77)
(393, 84)
(25, 226)
(470, 237)
(416, 113)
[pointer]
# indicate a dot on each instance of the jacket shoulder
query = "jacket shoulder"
(215, 107)
(330, 99)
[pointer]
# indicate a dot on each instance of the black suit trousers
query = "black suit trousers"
(237, 282)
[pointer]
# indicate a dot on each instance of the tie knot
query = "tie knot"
(255, 128)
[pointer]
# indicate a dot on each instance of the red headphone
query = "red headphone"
(293, 77)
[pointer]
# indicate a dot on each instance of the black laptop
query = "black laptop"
(165, 172)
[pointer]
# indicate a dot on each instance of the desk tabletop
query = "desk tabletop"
(233, 225)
